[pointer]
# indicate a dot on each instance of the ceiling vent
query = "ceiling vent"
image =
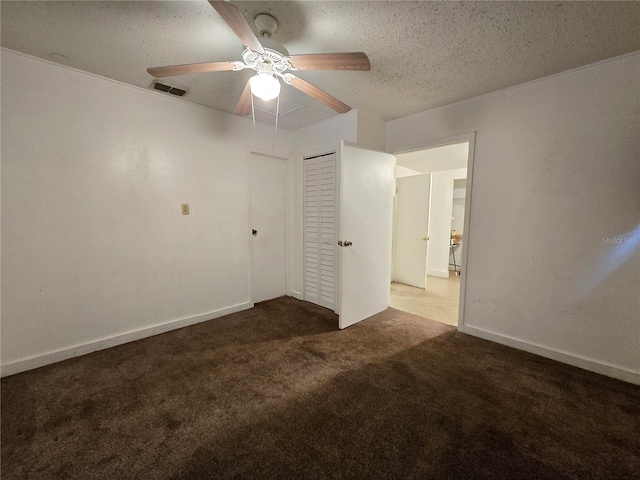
(178, 92)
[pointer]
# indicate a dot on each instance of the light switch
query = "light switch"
(185, 209)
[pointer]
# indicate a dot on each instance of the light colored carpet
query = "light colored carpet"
(439, 301)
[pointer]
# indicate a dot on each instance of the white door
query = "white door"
(320, 230)
(267, 187)
(411, 230)
(367, 187)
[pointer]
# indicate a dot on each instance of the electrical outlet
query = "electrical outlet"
(185, 209)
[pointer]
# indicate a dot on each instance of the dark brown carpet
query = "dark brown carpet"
(278, 392)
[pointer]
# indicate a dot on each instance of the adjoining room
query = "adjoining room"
(429, 226)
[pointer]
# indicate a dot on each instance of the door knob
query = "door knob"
(424, 238)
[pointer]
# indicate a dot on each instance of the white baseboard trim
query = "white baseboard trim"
(38, 361)
(296, 295)
(563, 357)
(438, 273)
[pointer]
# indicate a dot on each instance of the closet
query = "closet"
(347, 213)
(320, 230)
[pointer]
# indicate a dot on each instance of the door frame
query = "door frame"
(285, 158)
(428, 144)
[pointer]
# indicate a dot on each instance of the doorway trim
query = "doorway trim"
(427, 144)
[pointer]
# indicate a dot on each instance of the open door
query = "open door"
(366, 189)
(411, 235)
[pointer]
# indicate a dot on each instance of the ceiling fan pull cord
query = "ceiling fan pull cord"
(255, 130)
(275, 132)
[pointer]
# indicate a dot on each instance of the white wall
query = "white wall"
(326, 134)
(371, 131)
(556, 166)
(94, 246)
(441, 208)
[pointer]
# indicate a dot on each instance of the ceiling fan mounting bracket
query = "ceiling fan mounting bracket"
(267, 24)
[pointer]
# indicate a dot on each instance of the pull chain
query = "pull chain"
(255, 129)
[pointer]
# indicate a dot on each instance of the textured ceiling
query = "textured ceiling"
(445, 157)
(423, 54)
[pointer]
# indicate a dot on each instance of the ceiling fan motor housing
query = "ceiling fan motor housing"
(274, 57)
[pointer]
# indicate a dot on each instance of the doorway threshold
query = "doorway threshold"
(439, 301)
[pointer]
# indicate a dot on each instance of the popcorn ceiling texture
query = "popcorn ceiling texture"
(423, 54)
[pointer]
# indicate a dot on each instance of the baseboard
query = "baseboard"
(563, 357)
(38, 361)
(296, 295)
(438, 273)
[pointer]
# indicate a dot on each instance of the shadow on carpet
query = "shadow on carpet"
(279, 392)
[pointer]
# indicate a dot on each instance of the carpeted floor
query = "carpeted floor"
(279, 392)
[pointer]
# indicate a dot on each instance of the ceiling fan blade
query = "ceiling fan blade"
(172, 70)
(320, 95)
(238, 24)
(244, 104)
(331, 61)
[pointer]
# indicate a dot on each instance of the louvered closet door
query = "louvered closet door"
(320, 230)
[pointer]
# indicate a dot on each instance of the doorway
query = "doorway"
(429, 231)
(267, 226)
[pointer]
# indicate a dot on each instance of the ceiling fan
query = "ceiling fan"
(271, 61)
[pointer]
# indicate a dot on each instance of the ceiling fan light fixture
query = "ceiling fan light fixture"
(270, 60)
(265, 86)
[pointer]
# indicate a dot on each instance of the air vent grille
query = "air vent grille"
(168, 89)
